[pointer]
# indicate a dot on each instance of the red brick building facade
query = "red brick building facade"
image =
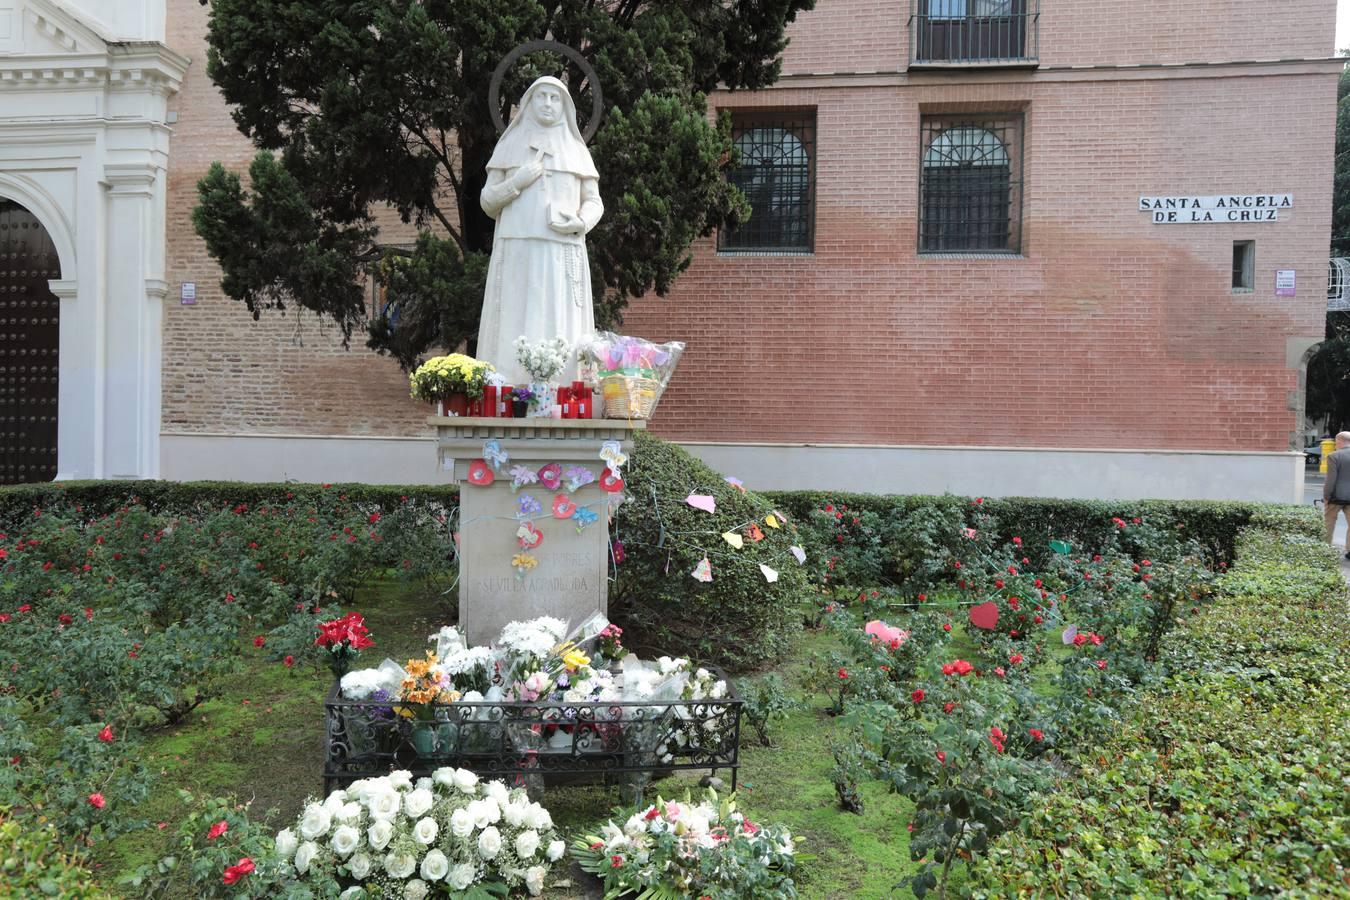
(950, 283)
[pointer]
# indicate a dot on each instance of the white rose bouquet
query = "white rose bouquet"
(393, 837)
(542, 359)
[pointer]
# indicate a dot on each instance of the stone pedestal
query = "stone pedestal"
(571, 578)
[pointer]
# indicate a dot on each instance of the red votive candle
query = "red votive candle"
(490, 401)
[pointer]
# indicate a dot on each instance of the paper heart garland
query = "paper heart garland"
(479, 473)
(984, 616)
(770, 575)
(528, 506)
(529, 536)
(550, 476)
(799, 553)
(733, 539)
(611, 482)
(703, 571)
(563, 507)
(495, 455)
(702, 501)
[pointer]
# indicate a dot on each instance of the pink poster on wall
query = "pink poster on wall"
(1284, 283)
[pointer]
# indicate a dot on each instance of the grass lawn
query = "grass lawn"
(261, 740)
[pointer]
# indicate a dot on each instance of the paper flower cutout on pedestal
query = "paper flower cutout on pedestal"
(479, 473)
(563, 507)
(613, 456)
(611, 482)
(495, 455)
(733, 539)
(735, 482)
(528, 506)
(984, 616)
(703, 571)
(702, 501)
(529, 536)
(770, 575)
(753, 532)
(577, 477)
(771, 520)
(583, 517)
(799, 553)
(550, 476)
(521, 476)
(523, 562)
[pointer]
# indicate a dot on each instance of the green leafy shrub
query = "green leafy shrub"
(766, 703)
(739, 619)
(33, 863)
(1229, 777)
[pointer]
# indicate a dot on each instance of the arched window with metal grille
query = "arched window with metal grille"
(776, 173)
(971, 186)
(1338, 285)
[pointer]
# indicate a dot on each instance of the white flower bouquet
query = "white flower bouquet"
(396, 838)
(688, 849)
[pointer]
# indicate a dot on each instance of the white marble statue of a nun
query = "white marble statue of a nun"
(544, 193)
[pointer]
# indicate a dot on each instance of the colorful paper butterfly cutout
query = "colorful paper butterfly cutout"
(479, 473)
(528, 506)
(550, 476)
(611, 482)
(584, 517)
(529, 536)
(703, 571)
(563, 507)
(521, 476)
(578, 477)
(495, 455)
(613, 456)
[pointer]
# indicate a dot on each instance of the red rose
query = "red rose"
(843, 674)
(917, 695)
(1095, 638)
(88, 612)
(941, 757)
(998, 670)
(1079, 640)
(374, 517)
(217, 830)
(948, 707)
(259, 641)
(1017, 541)
(923, 597)
(64, 619)
(288, 661)
(96, 800)
(106, 735)
(1101, 664)
(1036, 734)
(5, 617)
(946, 626)
(948, 669)
(1014, 659)
(615, 862)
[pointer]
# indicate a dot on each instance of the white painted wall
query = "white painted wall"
(971, 471)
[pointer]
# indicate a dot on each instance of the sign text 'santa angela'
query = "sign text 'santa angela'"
(1217, 208)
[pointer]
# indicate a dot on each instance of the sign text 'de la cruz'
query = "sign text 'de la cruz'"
(1216, 208)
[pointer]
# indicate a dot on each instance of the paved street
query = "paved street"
(1312, 492)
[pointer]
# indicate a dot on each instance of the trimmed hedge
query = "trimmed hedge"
(738, 619)
(1038, 520)
(1232, 777)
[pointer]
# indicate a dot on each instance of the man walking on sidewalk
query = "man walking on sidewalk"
(1336, 490)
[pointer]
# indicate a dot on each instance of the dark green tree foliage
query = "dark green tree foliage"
(1328, 388)
(361, 105)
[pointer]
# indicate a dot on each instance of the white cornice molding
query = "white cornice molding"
(140, 65)
(66, 28)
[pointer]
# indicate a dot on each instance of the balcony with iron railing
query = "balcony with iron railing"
(951, 34)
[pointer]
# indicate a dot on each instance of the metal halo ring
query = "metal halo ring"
(495, 89)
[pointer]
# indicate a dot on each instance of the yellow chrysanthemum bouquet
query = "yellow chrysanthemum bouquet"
(441, 376)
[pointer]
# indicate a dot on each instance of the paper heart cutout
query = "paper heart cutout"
(799, 553)
(480, 473)
(733, 539)
(563, 507)
(611, 482)
(529, 536)
(984, 616)
(550, 476)
(703, 571)
(770, 575)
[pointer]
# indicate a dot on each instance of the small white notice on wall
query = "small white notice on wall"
(1216, 208)
(1284, 283)
(187, 293)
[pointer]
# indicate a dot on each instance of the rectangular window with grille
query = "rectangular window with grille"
(777, 174)
(988, 32)
(1244, 266)
(970, 185)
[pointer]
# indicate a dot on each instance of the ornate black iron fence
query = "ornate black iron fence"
(548, 741)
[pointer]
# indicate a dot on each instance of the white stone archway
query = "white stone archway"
(84, 147)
